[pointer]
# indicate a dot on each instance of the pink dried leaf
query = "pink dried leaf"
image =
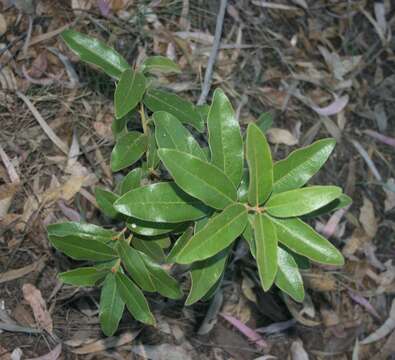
(104, 7)
(334, 108)
(364, 303)
(251, 334)
(382, 138)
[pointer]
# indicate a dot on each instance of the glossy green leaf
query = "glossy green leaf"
(301, 201)
(160, 64)
(248, 235)
(225, 141)
(342, 201)
(260, 166)
(288, 277)
(134, 299)
(171, 134)
(201, 223)
(150, 248)
(131, 181)
(165, 284)
(242, 191)
(294, 171)
(135, 265)
(129, 92)
(118, 127)
(161, 202)
(205, 274)
(183, 110)
(164, 242)
(87, 276)
(128, 149)
(266, 250)
(198, 178)
(302, 239)
(111, 306)
(79, 249)
(152, 153)
(265, 121)
(178, 245)
(95, 52)
(203, 112)
(105, 199)
(148, 228)
(218, 234)
(80, 230)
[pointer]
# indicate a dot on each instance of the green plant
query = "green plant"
(230, 190)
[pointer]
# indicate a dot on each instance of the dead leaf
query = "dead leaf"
(356, 242)
(389, 202)
(33, 296)
(3, 24)
(367, 218)
(281, 136)
(329, 317)
(334, 108)
(247, 286)
(162, 352)
(7, 193)
(18, 273)
(52, 355)
(383, 330)
(319, 280)
(4, 354)
(297, 351)
(111, 342)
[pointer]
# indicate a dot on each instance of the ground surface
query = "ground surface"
(290, 58)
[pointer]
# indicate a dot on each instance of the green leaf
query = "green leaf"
(95, 52)
(105, 199)
(165, 284)
(294, 171)
(160, 64)
(135, 265)
(203, 112)
(81, 249)
(160, 202)
(266, 250)
(301, 201)
(129, 92)
(260, 166)
(302, 239)
(248, 235)
(87, 276)
(242, 191)
(152, 153)
(148, 228)
(128, 149)
(80, 230)
(178, 245)
(225, 141)
(131, 181)
(111, 306)
(171, 134)
(265, 121)
(205, 274)
(288, 277)
(183, 110)
(118, 126)
(198, 178)
(342, 201)
(150, 248)
(218, 234)
(134, 299)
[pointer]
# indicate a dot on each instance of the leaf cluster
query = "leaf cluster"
(221, 189)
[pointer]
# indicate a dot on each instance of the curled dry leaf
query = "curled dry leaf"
(33, 296)
(384, 329)
(111, 342)
(367, 218)
(281, 136)
(334, 108)
(18, 273)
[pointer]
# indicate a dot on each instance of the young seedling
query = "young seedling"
(231, 190)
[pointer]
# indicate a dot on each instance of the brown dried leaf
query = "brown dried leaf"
(281, 136)
(33, 296)
(356, 242)
(367, 218)
(111, 342)
(18, 273)
(319, 280)
(52, 355)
